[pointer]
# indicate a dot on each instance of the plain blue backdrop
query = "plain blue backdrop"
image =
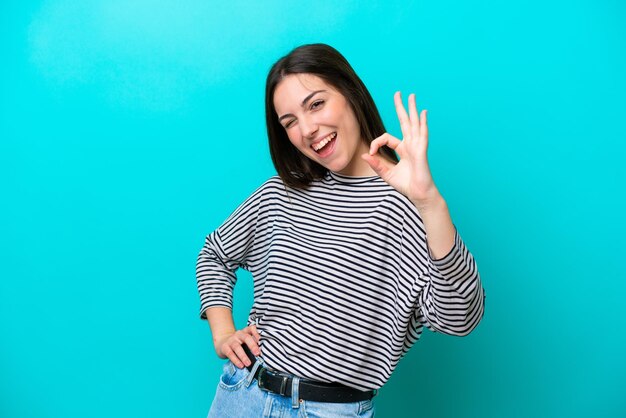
(129, 129)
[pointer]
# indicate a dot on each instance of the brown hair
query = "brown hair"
(293, 167)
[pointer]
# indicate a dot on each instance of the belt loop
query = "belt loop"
(250, 377)
(295, 392)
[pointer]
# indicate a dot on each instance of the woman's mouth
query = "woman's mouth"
(324, 147)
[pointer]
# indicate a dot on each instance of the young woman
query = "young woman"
(352, 251)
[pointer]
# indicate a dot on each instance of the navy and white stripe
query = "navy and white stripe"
(343, 279)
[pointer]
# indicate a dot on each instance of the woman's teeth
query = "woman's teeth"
(318, 146)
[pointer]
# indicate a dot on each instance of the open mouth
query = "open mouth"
(325, 144)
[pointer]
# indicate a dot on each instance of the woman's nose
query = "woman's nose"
(308, 127)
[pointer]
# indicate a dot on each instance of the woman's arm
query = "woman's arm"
(452, 299)
(438, 225)
(225, 250)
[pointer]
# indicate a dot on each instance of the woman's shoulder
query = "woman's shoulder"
(271, 186)
(272, 183)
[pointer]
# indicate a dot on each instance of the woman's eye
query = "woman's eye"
(317, 104)
(290, 123)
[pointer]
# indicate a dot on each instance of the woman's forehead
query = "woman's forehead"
(304, 82)
(311, 82)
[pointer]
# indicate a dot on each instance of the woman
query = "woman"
(344, 274)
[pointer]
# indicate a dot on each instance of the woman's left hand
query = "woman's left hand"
(411, 176)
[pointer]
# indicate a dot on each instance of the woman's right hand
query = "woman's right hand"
(230, 346)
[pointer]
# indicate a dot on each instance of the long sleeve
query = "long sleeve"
(224, 251)
(452, 301)
(450, 296)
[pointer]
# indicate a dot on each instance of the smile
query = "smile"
(317, 147)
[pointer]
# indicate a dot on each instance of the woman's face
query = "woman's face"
(321, 124)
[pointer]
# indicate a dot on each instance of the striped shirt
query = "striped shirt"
(343, 278)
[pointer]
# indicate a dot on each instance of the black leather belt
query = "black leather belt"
(308, 390)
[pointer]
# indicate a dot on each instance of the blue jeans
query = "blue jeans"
(239, 396)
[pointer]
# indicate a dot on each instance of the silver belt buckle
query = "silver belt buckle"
(283, 386)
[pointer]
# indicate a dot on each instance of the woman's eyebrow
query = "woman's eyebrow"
(306, 99)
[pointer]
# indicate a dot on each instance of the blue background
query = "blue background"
(130, 129)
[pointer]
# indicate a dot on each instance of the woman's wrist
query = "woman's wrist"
(433, 203)
(220, 320)
(438, 225)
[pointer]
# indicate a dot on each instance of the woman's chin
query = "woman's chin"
(335, 166)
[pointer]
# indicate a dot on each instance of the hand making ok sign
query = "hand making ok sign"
(411, 176)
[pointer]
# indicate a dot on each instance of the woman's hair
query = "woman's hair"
(294, 168)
